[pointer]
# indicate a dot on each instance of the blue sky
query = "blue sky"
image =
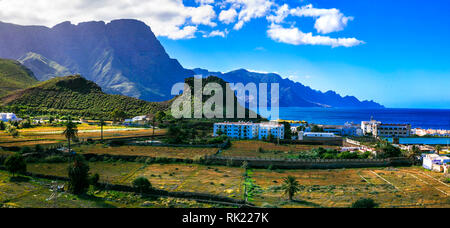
(404, 62)
(393, 52)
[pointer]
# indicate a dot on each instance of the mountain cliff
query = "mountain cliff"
(123, 56)
(292, 94)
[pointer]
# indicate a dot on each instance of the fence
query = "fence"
(307, 163)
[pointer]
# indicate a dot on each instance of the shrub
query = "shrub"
(16, 164)
(364, 203)
(79, 175)
(142, 184)
(25, 150)
(55, 159)
(38, 148)
(94, 179)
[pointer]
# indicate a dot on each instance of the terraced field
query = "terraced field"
(52, 135)
(392, 187)
(252, 148)
(403, 187)
(35, 193)
(149, 151)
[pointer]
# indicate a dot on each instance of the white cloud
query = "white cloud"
(250, 9)
(202, 15)
(175, 20)
(296, 37)
(280, 14)
(228, 16)
(216, 33)
(327, 20)
(169, 18)
(204, 1)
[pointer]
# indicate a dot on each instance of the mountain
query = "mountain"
(292, 94)
(14, 76)
(42, 67)
(233, 115)
(74, 95)
(123, 56)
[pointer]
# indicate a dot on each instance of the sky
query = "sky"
(393, 52)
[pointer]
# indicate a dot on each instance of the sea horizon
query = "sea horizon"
(426, 118)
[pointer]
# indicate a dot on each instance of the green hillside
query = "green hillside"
(14, 76)
(74, 95)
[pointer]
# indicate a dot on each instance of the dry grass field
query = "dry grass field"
(36, 193)
(390, 187)
(51, 135)
(402, 187)
(150, 151)
(252, 149)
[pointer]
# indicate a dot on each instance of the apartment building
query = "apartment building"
(249, 130)
(392, 130)
(5, 117)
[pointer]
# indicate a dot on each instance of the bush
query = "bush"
(38, 148)
(94, 179)
(55, 159)
(16, 164)
(79, 175)
(142, 184)
(25, 150)
(364, 203)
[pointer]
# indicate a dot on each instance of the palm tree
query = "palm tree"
(102, 123)
(71, 131)
(438, 149)
(290, 186)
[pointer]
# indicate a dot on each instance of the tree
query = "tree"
(316, 128)
(438, 149)
(51, 119)
(175, 135)
(290, 186)
(102, 123)
(78, 175)
(387, 150)
(415, 152)
(2, 126)
(364, 203)
(118, 115)
(287, 131)
(142, 184)
(71, 131)
(15, 164)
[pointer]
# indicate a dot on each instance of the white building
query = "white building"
(140, 120)
(249, 130)
(302, 135)
(6, 117)
(436, 163)
(378, 129)
(368, 126)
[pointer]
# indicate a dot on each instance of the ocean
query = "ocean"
(418, 118)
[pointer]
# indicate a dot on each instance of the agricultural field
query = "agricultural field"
(149, 151)
(225, 181)
(51, 135)
(391, 187)
(266, 149)
(35, 193)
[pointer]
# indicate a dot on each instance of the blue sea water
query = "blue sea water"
(418, 118)
(425, 141)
